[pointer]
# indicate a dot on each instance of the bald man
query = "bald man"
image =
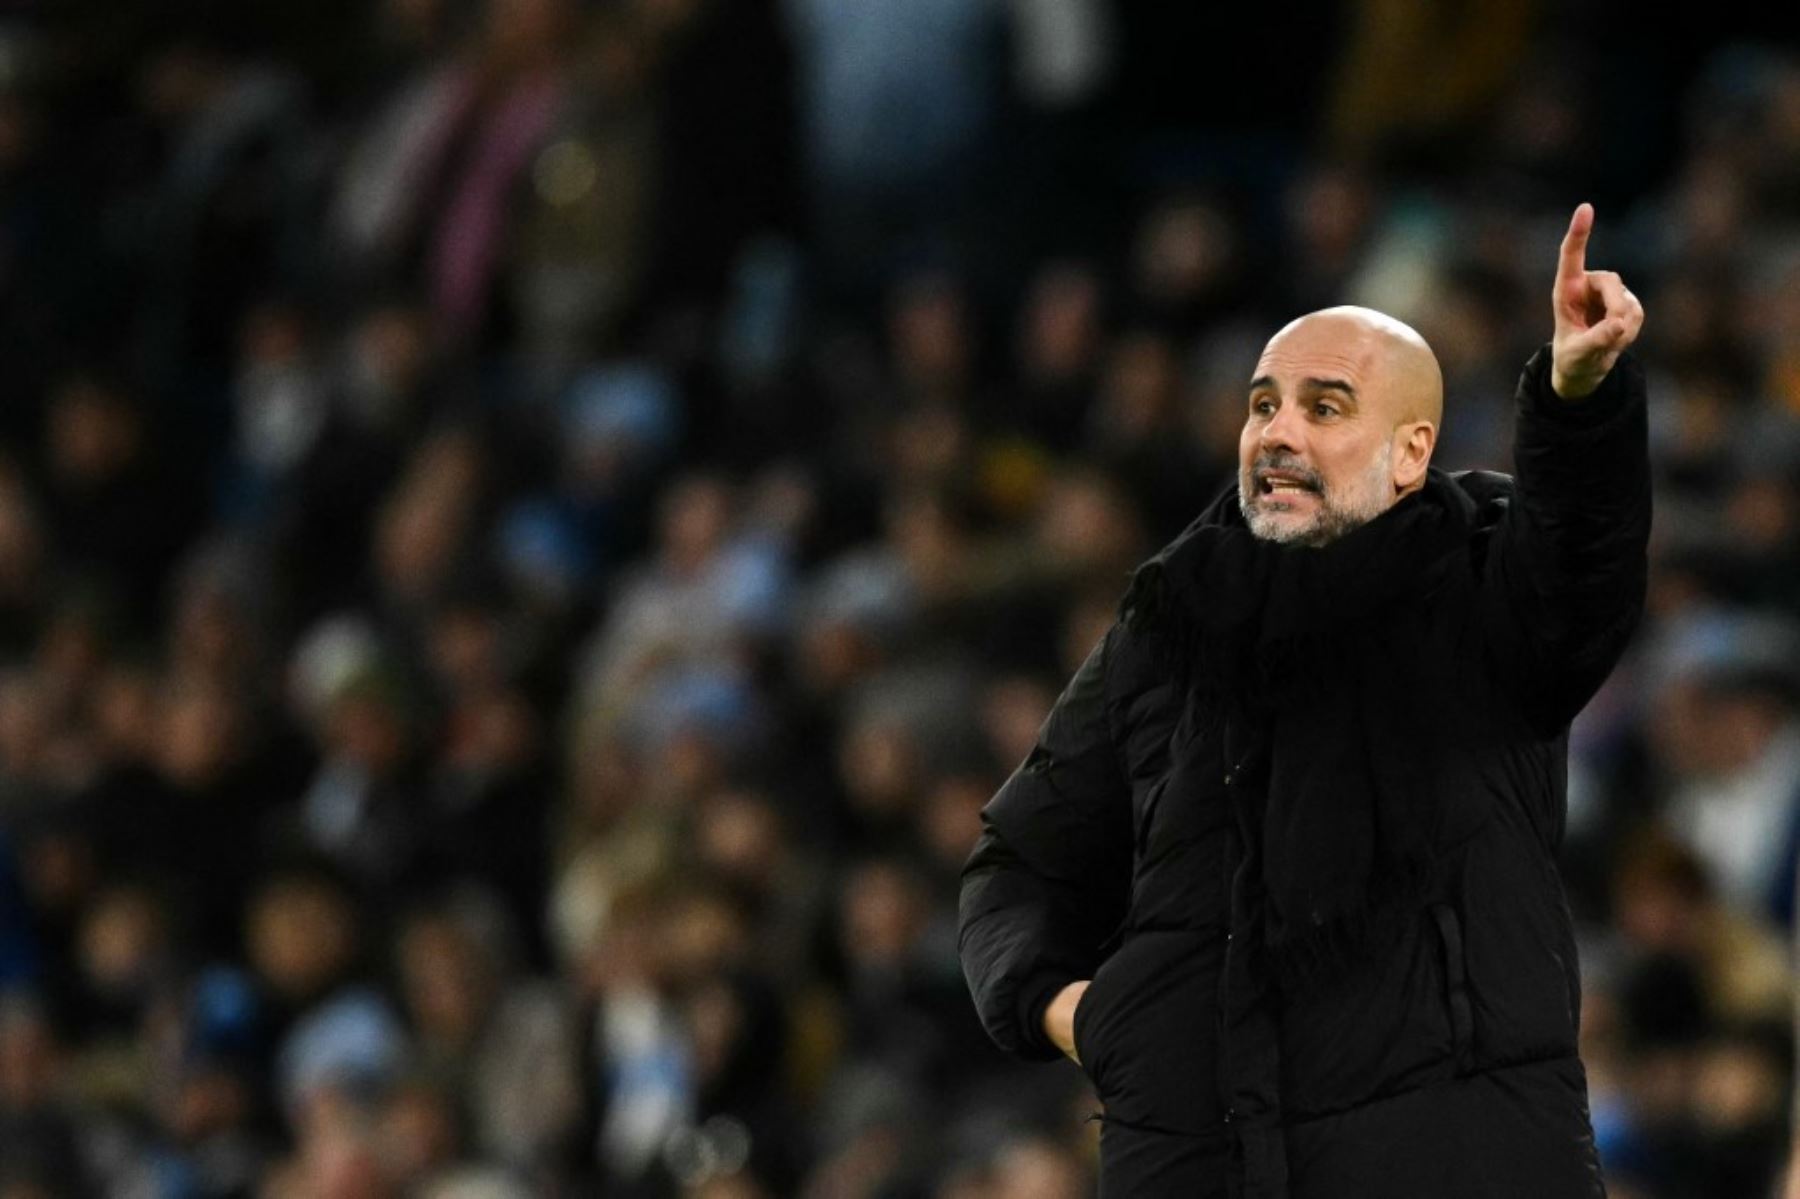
(1348, 395)
(1280, 872)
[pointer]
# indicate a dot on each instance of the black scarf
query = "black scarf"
(1318, 656)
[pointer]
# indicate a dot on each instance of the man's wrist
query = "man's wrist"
(1613, 392)
(1574, 387)
(1035, 997)
(1059, 1017)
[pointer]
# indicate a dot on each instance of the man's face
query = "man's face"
(1317, 454)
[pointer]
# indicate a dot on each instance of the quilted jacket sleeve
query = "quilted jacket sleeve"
(1050, 878)
(1568, 563)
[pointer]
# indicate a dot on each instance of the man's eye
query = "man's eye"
(1262, 407)
(1325, 409)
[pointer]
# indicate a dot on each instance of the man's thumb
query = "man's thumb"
(1601, 337)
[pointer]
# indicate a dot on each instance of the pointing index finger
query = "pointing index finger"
(1574, 245)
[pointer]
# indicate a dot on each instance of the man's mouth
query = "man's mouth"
(1284, 483)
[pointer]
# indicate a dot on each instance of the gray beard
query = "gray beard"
(1334, 518)
(1331, 523)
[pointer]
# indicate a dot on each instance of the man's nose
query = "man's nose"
(1282, 431)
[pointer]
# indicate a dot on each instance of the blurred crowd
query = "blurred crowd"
(529, 529)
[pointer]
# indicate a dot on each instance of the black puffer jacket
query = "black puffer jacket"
(1429, 1052)
(1062, 888)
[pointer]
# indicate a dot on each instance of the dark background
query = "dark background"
(529, 530)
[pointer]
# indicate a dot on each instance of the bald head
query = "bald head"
(1398, 372)
(1343, 416)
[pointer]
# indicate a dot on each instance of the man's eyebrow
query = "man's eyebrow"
(1342, 385)
(1310, 383)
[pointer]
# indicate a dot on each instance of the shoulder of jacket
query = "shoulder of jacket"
(1490, 491)
(1136, 664)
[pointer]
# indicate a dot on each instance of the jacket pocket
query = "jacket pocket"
(1147, 1030)
(1456, 986)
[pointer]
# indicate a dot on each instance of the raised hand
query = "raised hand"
(1597, 317)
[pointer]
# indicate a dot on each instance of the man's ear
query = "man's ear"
(1413, 444)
